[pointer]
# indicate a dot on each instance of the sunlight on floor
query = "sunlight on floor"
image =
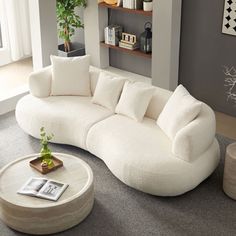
(14, 76)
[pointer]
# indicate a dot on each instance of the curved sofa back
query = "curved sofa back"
(94, 74)
(40, 83)
(157, 103)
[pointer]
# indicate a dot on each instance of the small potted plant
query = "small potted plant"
(68, 20)
(147, 5)
(45, 152)
(46, 162)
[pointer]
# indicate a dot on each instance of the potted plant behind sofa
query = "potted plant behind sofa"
(68, 21)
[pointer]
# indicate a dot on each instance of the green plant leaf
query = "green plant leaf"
(67, 18)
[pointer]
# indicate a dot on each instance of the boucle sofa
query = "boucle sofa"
(137, 153)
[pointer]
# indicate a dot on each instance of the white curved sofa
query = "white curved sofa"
(137, 153)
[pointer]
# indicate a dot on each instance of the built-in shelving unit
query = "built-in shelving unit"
(162, 65)
(135, 52)
(132, 52)
(114, 7)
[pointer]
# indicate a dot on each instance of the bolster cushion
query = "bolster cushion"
(196, 137)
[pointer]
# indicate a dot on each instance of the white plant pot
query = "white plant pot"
(147, 6)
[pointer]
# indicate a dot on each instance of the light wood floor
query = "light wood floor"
(226, 125)
(16, 74)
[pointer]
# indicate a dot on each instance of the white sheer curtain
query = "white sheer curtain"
(16, 18)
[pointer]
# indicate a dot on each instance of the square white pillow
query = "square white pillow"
(108, 90)
(179, 111)
(70, 76)
(135, 99)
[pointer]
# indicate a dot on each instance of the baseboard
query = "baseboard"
(8, 103)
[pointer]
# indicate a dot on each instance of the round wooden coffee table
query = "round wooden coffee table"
(39, 216)
(229, 182)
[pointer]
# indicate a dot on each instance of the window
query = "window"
(5, 56)
(0, 37)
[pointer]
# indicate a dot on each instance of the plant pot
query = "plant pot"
(77, 49)
(147, 6)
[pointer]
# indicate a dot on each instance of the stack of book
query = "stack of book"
(128, 41)
(113, 34)
(133, 4)
(130, 46)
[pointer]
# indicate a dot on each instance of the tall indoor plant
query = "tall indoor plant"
(68, 20)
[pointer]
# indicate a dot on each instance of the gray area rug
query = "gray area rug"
(121, 210)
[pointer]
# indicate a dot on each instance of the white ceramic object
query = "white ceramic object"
(147, 6)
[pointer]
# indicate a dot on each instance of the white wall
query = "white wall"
(166, 43)
(43, 31)
(95, 20)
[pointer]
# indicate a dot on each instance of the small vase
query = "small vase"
(46, 156)
(147, 6)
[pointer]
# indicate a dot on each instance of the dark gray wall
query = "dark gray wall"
(204, 52)
(134, 25)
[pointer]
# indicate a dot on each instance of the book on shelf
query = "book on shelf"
(133, 4)
(112, 34)
(130, 46)
(138, 4)
(128, 4)
(119, 3)
(43, 188)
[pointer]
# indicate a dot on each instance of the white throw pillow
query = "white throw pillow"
(70, 76)
(108, 90)
(134, 100)
(179, 111)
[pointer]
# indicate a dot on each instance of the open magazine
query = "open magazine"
(43, 188)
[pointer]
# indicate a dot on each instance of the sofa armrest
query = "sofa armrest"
(195, 138)
(40, 82)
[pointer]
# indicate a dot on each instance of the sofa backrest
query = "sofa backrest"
(157, 103)
(94, 74)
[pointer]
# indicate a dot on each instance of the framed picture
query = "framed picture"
(229, 18)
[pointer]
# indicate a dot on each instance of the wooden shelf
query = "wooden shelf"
(132, 52)
(141, 12)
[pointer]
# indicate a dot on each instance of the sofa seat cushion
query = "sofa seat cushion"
(68, 117)
(139, 154)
